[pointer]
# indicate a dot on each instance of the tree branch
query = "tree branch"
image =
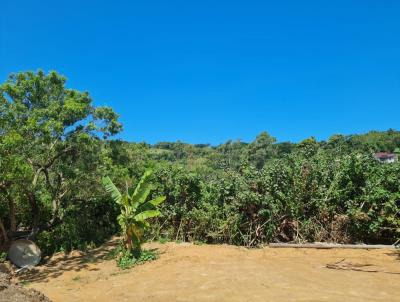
(52, 160)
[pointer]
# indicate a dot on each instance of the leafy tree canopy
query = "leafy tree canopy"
(46, 130)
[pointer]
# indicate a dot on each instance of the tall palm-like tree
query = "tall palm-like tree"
(135, 210)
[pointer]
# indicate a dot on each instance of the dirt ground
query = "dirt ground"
(186, 272)
(11, 292)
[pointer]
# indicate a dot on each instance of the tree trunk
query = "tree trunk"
(128, 241)
(3, 231)
(35, 215)
(13, 221)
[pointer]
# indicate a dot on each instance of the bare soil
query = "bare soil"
(11, 292)
(186, 272)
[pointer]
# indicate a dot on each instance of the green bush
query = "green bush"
(311, 195)
(84, 225)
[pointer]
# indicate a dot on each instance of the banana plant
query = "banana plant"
(135, 210)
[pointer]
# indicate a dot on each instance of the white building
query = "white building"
(385, 157)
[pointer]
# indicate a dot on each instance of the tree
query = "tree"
(135, 210)
(49, 142)
(262, 149)
(309, 146)
(231, 154)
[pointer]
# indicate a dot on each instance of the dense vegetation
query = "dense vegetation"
(56, 147)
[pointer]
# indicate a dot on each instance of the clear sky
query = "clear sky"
(209, 71)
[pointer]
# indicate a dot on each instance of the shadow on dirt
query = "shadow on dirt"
(77, 261)
(395, 254)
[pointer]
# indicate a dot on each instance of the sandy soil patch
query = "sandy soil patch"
(186, 272)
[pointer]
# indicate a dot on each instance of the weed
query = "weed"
(25, 283)
(3, 257)
(163, 240)
(127, 259)
(76, 278)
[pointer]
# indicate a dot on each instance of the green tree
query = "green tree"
(262, 149)
(49, 145)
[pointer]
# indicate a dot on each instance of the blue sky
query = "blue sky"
(209, 71)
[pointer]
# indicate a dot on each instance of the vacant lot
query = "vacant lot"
(223, 273)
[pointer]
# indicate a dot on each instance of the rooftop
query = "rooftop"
(384, 155)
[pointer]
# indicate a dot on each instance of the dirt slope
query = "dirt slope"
(224, 273)
(10, 292)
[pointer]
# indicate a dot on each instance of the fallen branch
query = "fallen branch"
(331, 246)
(348, 266)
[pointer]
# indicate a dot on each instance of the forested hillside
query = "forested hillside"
(56, 146)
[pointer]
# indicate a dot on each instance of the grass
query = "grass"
(163, 240)
(25, 283)
(113, 253)
(126, 259)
